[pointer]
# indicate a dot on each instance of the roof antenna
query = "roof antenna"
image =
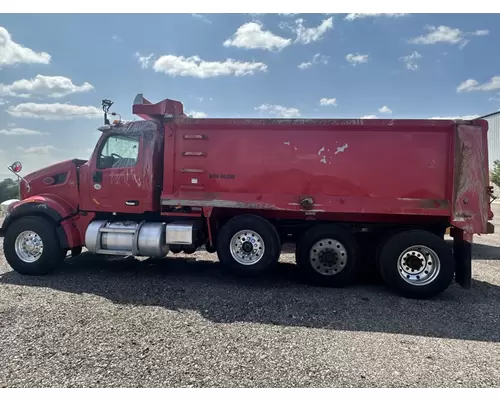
(106, 104)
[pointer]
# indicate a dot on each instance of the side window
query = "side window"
(119, 152)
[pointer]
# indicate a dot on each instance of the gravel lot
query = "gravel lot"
(184, 322)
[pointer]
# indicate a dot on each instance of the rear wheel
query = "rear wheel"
(417, 264)
(248, 245)
(328, 255)
(31, 246)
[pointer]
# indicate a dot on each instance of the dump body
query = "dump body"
(363, 167)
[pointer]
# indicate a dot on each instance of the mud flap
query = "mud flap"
(462, 250)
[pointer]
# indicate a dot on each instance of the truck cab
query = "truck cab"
(124, 173)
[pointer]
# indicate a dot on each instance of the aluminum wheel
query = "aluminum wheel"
(247, 247)
(28, 246)
(419, 265)
(328, 256)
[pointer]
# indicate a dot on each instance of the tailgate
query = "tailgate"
(471, 197)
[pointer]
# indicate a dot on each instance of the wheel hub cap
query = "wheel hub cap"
(419, 265)
(328, 256)
(28, 246)
(247, 247)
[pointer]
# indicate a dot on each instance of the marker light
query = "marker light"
(16, 167)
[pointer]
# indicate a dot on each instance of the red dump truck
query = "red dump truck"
(340, 189)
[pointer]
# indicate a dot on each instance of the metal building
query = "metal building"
(493, 137)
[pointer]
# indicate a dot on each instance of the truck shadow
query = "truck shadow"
(280, 299)
(485, 252)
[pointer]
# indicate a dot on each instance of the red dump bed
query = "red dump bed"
(352, 169)
(419, 167)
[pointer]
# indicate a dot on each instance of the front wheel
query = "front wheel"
(31, 246)
(417, 264)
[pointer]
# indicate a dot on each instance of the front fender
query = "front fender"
(50, 206)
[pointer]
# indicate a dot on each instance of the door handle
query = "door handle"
(132, 203)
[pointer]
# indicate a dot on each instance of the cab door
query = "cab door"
(117, 175)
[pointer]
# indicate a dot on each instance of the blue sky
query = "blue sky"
(55, 69)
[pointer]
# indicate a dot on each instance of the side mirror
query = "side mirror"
(16, 167)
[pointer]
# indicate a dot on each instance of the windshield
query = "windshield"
(119, 151)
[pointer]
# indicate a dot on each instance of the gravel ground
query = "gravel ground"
(184, 322)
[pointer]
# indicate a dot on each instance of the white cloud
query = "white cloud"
(317, 59)
(12, 53)
(308, 35)
(464, 117)
(353, 16)
(481, 32)
(19, 132)
(38, 150)
(471, 85)
(440, 34)
(385, 110)
(356, 58)
(144, 60)
(252, 36)
(328, 102)
(468, 85)
(117, 38)
(54, 111)
(51, 86)
(278, 110)
(445, 34)
(369, 117)
(202, 18)
(196, 67)
(410, 60)
(197, 114)
(3, 102)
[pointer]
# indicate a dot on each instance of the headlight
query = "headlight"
(6, 206)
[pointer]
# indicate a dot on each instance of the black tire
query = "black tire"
(259, 225)
(348, 270)
(52, 255)
(210, 249)
(390, 271)
(76, 251)
(384, 238)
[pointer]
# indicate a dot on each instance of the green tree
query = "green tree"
(9, 189)
(495, 174)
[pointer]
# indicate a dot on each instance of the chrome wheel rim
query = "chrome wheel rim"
(247, 247)
(28, 246)
(328, 256)
(419, 265)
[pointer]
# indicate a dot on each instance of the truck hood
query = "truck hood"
(55, 169)
(48, 178)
